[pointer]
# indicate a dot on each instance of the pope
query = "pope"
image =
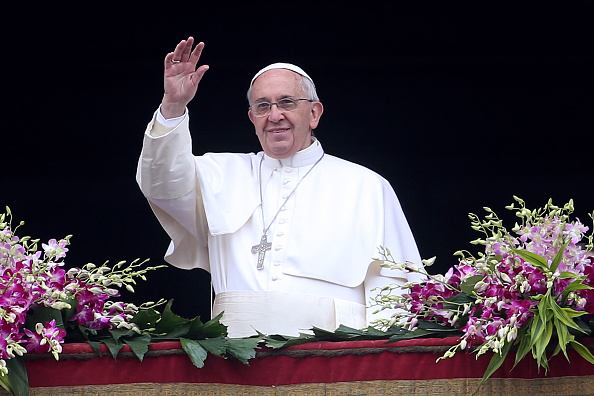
(288, 234)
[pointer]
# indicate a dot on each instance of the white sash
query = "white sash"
(271, 312)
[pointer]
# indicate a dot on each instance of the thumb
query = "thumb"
(198, 74)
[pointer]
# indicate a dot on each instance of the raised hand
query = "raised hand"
(182, 76)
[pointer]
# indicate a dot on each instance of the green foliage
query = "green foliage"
(195, 351)
(197, 339)
(17, 383)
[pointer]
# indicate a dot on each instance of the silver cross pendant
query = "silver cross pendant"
(261, 249)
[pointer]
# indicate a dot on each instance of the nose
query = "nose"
(275, 113)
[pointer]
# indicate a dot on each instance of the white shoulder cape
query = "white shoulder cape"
(346, 211)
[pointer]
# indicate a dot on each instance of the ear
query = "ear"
(317, 108)
(251, 116)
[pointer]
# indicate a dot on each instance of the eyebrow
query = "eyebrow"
(263, 99)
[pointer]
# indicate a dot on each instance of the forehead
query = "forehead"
(277, 83)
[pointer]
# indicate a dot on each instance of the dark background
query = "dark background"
(458, 105)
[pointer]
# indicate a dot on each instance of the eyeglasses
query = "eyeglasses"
(262, 109)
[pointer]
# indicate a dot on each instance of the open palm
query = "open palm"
(181, 78)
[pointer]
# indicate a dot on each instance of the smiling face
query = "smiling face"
(283, 134)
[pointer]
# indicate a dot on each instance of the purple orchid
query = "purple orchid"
(504, 284)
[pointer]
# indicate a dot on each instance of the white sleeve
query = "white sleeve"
(166, 175)
(169, 122)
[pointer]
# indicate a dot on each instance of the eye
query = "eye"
(262, 106)
(287, 103)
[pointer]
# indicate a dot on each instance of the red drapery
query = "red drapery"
(320, 362)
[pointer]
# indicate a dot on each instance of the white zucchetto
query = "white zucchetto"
(281, 65)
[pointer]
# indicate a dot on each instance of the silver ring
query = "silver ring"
(175, 61)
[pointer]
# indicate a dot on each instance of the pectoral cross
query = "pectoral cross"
(261, 249)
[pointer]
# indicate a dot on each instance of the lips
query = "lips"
(277, 130)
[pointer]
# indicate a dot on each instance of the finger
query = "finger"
(196, 77)
(199, 73)
(181, 48)
(185, 55)
(196, 53)
(169, 60)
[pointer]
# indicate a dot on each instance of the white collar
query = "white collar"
(305, 157)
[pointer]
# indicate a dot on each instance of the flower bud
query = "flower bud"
(505, 277)
(429, 262)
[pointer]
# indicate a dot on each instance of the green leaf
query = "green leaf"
(541, 329)
(17, 381)
(302, 339)
(211, 329)
(539, 261)
(583, 351)
(496, 362)
(196, 329)
(562, 336)
(434, 327)
(468, 285)
(462, 298)
(172, 325)
(276, 341)
(565, 315)
(68, 313)
(567, 275)
(340, 334)
(525, 345)
(195, 351)
(325, 334)
(352, 332)
(113, 346)
(96, 345)
(537, 328)
(416, 333)
(43, 314)
(539, 350)
(373, 332)
(139, 345)
(243, 349)
(146, 318)
(568, 315)
(559, 256)
(576, 285)
(214, 328)
(216, 346)
(5, 383)
(119, 333)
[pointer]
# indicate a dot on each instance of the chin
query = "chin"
(280, 152)
(279, 156)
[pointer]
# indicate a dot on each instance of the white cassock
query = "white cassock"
(323, 239)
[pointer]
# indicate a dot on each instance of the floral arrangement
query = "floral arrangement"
(532, 287)
(43, 305)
